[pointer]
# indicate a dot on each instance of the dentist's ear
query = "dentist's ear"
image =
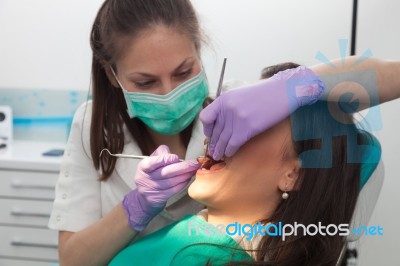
(110, 75)
(289, 179)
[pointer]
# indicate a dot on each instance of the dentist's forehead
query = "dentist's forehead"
(161, 48)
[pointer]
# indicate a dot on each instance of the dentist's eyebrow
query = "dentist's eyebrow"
(152, 76)
(183, 63)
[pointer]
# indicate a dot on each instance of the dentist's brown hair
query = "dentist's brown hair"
(118, 21)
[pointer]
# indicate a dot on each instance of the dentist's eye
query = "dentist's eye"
(184, 74)
(145, 84)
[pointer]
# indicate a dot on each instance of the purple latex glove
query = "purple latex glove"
(238, 115)
(158, 177)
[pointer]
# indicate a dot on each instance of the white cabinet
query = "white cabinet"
(27, 182)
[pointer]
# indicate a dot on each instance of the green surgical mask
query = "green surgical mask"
(171, 113)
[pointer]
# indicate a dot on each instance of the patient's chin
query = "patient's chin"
(200, 191)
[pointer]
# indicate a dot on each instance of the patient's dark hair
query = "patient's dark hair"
(272, 70)
(326, 195)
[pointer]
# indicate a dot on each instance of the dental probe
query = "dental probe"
(219, 89)
(119, 155)
(128, 156)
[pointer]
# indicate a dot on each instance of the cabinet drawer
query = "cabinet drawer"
(25, 212)
(28, 243)
(20, 184)
(7, 262)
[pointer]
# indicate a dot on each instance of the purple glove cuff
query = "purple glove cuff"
(137, 217)
(304, 87)
(298, 72)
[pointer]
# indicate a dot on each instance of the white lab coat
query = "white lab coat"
(81, 200)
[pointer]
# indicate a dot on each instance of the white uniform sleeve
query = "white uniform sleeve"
(77, 201)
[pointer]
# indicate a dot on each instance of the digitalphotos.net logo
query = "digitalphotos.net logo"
(248, 231)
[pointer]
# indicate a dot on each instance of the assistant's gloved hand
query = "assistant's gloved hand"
(158, 177)
(238, 115)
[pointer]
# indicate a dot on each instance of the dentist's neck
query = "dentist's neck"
(173, 142)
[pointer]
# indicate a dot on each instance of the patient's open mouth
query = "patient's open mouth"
(209, 163)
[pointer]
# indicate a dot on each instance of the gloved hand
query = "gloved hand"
(238, 115)
(158, 177)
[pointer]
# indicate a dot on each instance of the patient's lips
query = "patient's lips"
(217, 166)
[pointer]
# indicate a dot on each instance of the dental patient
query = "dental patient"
(308, 170)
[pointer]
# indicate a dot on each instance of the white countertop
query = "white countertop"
(27, 155)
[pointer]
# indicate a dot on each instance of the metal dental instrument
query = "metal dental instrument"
(219, 89)
(123, 155)
(221, 79)
(128, 156)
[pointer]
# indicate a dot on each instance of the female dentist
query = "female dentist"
(148, 89)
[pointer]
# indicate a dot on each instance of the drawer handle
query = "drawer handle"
(29, 214)
(19, 184)
(21, 243)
